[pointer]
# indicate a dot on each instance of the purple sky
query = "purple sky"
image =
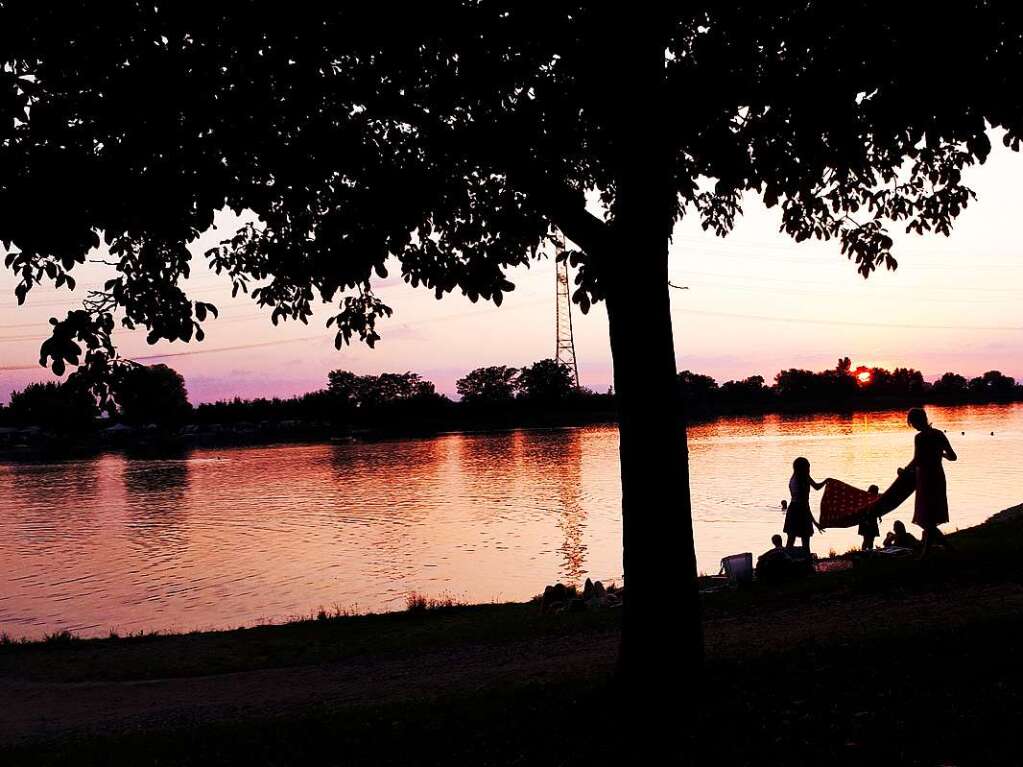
(756, 303)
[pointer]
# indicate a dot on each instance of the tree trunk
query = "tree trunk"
(660, 659)
(658, 551)
(662, 638)
(662, 635)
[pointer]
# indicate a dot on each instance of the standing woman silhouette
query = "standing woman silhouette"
(929, 446)
(799, 521)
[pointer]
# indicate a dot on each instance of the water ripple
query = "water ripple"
(240, 536)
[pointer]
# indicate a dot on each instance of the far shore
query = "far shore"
(33, 443)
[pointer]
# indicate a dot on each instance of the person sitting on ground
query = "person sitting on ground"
(775, 563)
(901, 537)
(776, 550)
(868, 528)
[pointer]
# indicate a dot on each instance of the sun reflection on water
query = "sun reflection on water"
(226, 537)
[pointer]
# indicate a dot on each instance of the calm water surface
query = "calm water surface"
(238, 536)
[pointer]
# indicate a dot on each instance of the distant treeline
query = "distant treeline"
(489, 397)
(155, 396)
(841, 388)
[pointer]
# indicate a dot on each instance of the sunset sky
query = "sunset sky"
(757, 302)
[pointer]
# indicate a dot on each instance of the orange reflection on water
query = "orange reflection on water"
(228, 537)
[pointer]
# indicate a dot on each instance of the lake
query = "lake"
(238, 536)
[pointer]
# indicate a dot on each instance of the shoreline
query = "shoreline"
(149, 443)
(420, 604)
(813, 669)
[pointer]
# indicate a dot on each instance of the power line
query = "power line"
(214, 323)
(843, 295)
(276, 342)
(189, 352)
(850, 323)
(745, 286)
(188, 285)
(725, 246)
(875, 285)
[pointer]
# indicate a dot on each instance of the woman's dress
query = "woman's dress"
(931, 507)
(798, 519)
(868, 527)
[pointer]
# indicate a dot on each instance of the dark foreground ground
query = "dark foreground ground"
(895, 662)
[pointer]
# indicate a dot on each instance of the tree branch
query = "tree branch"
(566, 209)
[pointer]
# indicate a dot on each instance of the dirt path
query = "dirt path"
(43, 709)
(34, 710)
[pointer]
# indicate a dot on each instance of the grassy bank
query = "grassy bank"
(897, 661)
(328, 639)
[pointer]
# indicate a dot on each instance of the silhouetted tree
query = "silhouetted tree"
(796, 385)
(993, 385)
(837, 386)
(907, 382)
(951, 386)
(879, 383)
(369, 391)
(699, 392)
(151, 394)
(832, 388)
(388, 388)
(317, 406)
(901, 382)
(545, 382)
(58, 407)
(346, 387)
(455, 138)
(488, 385)
(748, 395)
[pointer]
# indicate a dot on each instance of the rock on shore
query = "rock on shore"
(560, 597)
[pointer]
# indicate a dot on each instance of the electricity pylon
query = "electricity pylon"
(564, 352)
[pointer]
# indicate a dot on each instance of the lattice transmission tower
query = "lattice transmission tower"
(565, 346)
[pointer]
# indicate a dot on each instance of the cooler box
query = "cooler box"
(738, 567)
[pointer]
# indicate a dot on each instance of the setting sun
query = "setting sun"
(864, 376)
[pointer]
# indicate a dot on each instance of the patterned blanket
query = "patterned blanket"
(846, 506)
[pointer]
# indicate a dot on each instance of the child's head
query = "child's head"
(776, 540)
(874, 490)
(899, 527)
(801, 466)
(784, 503)
(917, 418)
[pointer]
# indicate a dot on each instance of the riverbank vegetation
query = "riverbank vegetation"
(896, 661)
(153, 400)
(842, 388)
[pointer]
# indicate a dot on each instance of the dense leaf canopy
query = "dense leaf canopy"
(457, 135)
